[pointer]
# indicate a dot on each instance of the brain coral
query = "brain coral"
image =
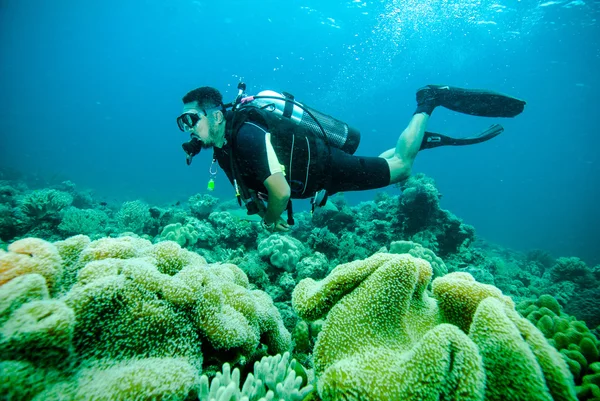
(385, 338)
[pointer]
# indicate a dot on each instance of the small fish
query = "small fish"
(103, 203)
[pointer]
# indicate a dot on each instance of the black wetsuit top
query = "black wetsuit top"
(306, 161)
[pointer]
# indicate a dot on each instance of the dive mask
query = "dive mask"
(187, 121)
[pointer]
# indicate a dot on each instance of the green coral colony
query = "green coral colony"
(393, 299)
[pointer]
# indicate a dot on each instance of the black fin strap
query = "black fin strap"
(434, 140)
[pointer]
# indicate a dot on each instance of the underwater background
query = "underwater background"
(123, 278)
(91, 91)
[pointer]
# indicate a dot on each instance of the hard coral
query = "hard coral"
(44, 203)
(202, 205)
(586, 306)
(9, 225)
(575, 270)
(323, 240)
(232, 231)
(82, 221)
(420, 203)
(421, 218)
(134, 216)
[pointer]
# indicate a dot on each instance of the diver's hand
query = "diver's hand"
(281, 226)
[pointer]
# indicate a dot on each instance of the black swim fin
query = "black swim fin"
(433, 140)
(476, 102)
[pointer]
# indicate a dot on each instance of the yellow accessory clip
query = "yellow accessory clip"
(213, 174)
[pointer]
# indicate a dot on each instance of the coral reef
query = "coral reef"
(44, 204)
(423, 218)
(82, 221)
(131, 310)
(202, 205)
(159, 301)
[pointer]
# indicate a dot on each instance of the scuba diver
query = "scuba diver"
(274, 148)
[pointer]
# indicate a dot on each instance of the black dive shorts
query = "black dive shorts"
(356, 173)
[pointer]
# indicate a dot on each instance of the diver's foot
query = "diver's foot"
(431, 93)
(429, 97)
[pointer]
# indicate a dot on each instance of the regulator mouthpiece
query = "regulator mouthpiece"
(191, 149)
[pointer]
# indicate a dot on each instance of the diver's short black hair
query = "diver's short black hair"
(206, 97)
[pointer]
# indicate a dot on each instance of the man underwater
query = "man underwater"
(274, 149)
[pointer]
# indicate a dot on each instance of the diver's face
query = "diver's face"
(201, 129)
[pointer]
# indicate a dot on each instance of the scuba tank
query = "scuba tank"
(334, 132)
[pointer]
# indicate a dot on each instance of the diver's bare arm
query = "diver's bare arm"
(279, 195)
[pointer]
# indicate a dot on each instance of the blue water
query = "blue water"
(91, 89)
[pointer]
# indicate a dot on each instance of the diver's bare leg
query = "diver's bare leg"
(403, 156)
